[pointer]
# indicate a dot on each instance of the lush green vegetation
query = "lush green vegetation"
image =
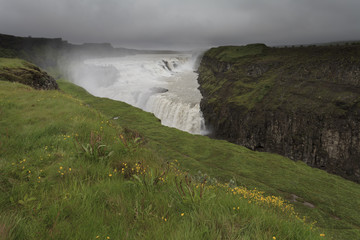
(336, 200)
(74, 166)
(13, 63)
(70, 172)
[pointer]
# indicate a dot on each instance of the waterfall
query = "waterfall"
(175, 113)
(164, 84)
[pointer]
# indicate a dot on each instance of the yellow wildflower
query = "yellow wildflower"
(182, 214)
(110, 175)
(322, 235)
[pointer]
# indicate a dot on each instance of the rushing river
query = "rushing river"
(164, 84)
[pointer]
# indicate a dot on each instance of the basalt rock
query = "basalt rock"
(303, 103)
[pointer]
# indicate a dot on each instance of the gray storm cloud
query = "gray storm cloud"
(185, 23)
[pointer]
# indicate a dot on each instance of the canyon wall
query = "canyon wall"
(300, 102)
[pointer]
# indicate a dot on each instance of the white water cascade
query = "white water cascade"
(164, 84)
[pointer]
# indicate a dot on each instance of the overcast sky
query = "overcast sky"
(183, 23)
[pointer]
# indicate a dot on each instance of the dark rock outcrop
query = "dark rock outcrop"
(303, 103)
(29, 74)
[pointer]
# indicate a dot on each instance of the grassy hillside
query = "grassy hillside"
(70, 172)
(74, 166)
(336, 201)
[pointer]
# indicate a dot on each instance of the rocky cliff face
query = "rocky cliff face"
(303, 103)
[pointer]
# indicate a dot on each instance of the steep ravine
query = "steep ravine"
(303, 103)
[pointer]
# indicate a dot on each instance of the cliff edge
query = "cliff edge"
(302, 102)
(17, 70)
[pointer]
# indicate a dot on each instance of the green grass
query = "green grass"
(52, 187)
(13, 63)
(59, 180)
(256, 94)
(337, 201)
(232, 53)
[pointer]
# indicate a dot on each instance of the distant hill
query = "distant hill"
(47, 52)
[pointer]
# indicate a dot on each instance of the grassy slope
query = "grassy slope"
(337, 201)
(50, 188)
(12, 62)
(41, 127)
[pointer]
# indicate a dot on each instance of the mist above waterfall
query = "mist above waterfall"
(164, 84)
